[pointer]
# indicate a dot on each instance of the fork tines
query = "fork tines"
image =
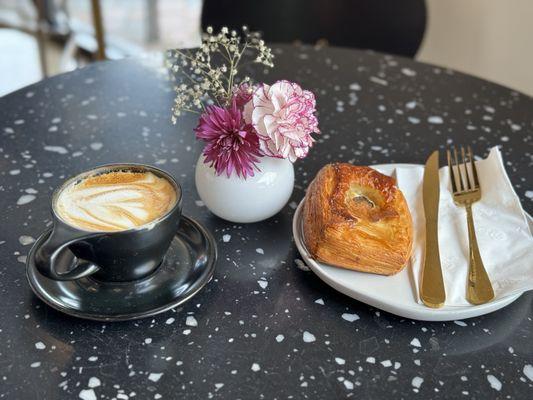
(463, 180)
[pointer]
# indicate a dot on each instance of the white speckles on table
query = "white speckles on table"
(26, 240)
(410, 105)
(435, 119)
(94, 382)
(308, 337)
(262, 283)
(56, 149)
(408, 72)
(87, 394)
(494, 382)
(25, 199)
(301, 265)
(40, 346)
(350, 317)
(379, 81)
(417, 381)
(96, 146)
(155, 376)
(528, 371)
(348, 384)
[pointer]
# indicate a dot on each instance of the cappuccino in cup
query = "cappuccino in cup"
(115, 200)
(114, 222)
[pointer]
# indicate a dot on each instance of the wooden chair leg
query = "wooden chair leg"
(41, 37)
(98, 29)
(152, 21)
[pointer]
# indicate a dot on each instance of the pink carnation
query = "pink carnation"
(284, 117)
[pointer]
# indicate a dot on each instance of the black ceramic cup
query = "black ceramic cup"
(72, 253)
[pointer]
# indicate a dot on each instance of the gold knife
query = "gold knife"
(432, 290)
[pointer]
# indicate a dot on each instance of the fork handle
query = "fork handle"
(479, 289)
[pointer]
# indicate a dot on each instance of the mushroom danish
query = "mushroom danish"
(357, 218)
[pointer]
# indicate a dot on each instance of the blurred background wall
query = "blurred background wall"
(492, 39)
(487, 38)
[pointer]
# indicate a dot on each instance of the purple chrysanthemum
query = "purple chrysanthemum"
(231, 143)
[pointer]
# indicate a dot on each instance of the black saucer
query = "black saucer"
(188, 265)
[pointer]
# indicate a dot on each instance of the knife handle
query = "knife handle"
(432, 290)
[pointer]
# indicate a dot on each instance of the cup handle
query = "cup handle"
(54, 251)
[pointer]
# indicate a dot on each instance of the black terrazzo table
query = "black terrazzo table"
(243, 335)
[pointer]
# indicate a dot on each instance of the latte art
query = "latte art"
(115, 201)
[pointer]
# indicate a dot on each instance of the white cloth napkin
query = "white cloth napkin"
(503, 235)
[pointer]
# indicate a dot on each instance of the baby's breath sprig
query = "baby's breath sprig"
(209, 73)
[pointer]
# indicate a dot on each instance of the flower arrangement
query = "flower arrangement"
(241, 121)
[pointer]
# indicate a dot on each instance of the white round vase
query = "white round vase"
(246, 200)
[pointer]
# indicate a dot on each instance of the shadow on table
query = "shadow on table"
(450, 337)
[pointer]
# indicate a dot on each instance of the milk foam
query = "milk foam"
(115, 201)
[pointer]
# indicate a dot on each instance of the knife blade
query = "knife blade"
(432, 290)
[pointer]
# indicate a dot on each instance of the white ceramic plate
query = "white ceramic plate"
(394, 294)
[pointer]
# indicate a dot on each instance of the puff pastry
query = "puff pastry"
(357, 218)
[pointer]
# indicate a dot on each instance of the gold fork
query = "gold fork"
(479, 289)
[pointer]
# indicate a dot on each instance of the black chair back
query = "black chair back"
(390, 26)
